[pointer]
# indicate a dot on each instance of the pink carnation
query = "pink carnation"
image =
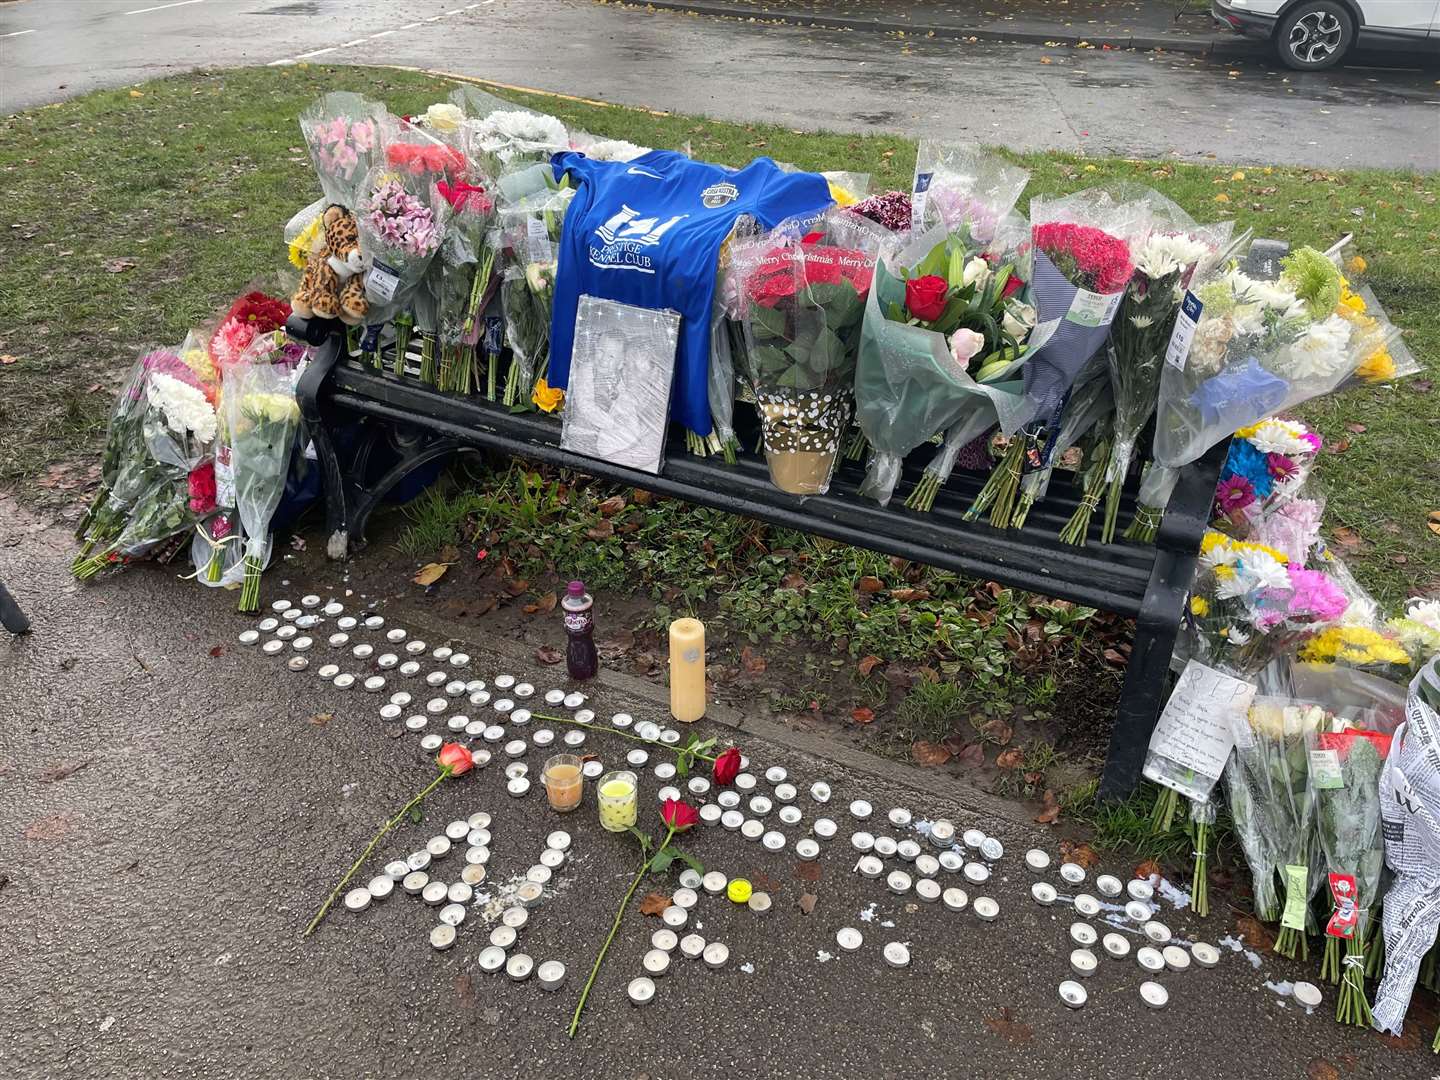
(230, 341)
(1314, 594)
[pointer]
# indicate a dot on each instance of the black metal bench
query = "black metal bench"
(418, 424)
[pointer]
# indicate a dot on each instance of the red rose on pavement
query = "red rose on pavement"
(925, 296)
(678, 815)
(727, 766)
(455, 757)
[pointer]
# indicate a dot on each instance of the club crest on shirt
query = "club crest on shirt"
(717, 195)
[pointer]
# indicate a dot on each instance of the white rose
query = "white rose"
(1019, 319)
(443, 116)
(977, 273)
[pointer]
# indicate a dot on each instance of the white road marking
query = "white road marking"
(457, 11)
(332, 48)
(352, 44)
(162, 7)
(382, 33)
(410, 26)
(16, 33)
(317, 52)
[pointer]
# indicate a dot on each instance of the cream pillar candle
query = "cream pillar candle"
(687, 670)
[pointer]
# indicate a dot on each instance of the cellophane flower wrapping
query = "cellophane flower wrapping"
(618, 402)
(342, 133)
(402, 222)
(802, 301)
(1384, 355)
(510, 135)
(466, 265)
(1266, 468)
(1090, 406)
(531, 230)
(1083, 250)
(921, 366)
(262, 417)
(1418, 629)
(971, 194)
(1410, 824)
(1260, 347)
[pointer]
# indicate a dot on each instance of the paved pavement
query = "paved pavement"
(175, 805)
(1026, 95)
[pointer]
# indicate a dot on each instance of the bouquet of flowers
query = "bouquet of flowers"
(1139, 336)
(401, 226)
(1344, 776)
(426, 149)
(531, 231)
(1272, 754)
(1265, 469)
(128, 470)
(1083, 259)
(262, 418)
(1418, 630)
(934, 340)
(466, 263)
(971, 195)
(803, 291)
(510, 135)
(342, 133)
(252, 314)
(1257, 347)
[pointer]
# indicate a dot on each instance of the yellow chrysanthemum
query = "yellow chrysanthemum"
(1277, 555)
(1199, 606)
(304, 242)
(1357, 645)
(1377, 367)
(198, 361)
(1353, 301)
(547, 398)
(842, 197)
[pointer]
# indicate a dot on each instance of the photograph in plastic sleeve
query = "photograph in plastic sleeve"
(617, 406)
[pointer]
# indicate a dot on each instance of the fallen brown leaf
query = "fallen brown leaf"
(1346, 537)
(517, 586)
(640, 497)
(485, 606)
(1115, 657)
(1051, 809)
(1081, 854)
(545, 604)
(910, 595)
(654, 903)
(548, 654)
(1011, 758)
(119, 266)
(807, 903)
(217, 650)
(612, 506)
(753, 663)
(1339, 446)
(929, 753)
(61, 771)
(1008, 1028)
(808, 871)
(1421, 386)
(430, 573)
(1320, 1069)
(1432, 522)
(792, 580)
(868, 664)
(1255, 933)
(1148, 869)
(6, 359)
(603, 530)
(320, 719)
(870, 585)
(972, 754)
(997, 731)
(929, 674)
(1356, 429)
(862, 715)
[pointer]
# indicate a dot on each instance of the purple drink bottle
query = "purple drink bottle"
(581, 659)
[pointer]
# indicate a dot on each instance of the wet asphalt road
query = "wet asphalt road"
(1245, 110)
(151, 900)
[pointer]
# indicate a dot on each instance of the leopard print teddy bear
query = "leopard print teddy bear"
(333, 286)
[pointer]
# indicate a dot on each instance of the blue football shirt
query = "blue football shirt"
(648, 232)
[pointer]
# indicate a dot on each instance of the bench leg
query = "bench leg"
(1146, 679)
(307, 393)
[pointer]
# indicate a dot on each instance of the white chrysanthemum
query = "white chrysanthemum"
(1237, 637)
(1272, 294)
(1361, 611)
(184, 406)
(1319, 353)
(1219, 555)
(1141, 322)
(507, 132)
(1263, 571)
(1424, 612)
(612, 150)
(1280, 437)
(1162, 255)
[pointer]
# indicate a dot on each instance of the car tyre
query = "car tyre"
(1314, 35)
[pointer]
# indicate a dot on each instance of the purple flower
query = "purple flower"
(1234, 493)
(1281, 467)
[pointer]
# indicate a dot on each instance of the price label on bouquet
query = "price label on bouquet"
(1183, 335)
(1093, 309)
(919, 200)
(537, 241)
(1325, 774)
(381, 283)
(1196, 729)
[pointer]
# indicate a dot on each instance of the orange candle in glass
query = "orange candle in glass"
(564, 782)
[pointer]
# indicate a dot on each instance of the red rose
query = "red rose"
(455, 758)
(925, 297)
(1013, 284)
(678, 815)
(727, 766)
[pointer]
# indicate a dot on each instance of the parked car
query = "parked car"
(1313, 34)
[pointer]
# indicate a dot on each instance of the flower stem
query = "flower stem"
(1200, 882)
(614, 929)
(369, 848)
(923, 497)
(1162, 817)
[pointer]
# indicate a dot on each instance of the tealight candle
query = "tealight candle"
(617, 801)
(687, 670)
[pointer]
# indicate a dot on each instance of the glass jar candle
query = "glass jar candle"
(617, 797)
(563, 781)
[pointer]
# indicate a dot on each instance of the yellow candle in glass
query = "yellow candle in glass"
(687, 670)
(617, 799)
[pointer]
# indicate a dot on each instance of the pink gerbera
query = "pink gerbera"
(1233, 494)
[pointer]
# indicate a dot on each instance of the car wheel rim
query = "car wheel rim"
(1316, 36)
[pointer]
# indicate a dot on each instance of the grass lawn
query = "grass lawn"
(159, 202)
